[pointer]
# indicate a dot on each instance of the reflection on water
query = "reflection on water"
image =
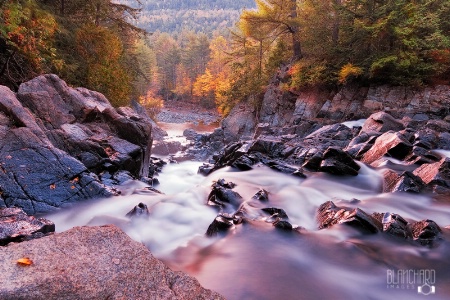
(254, 260)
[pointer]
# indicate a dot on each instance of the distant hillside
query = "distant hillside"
(197, 15)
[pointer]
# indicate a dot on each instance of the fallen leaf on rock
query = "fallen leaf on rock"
(52, 186)
(24, 261)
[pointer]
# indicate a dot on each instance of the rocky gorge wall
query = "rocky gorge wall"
(281, 107)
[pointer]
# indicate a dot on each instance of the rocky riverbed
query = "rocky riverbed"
(284, 203)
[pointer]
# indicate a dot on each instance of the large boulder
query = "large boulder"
(240, 122)
(91, 263)
(381, 122)
(84, 124)
(55, 139)
(390, 143)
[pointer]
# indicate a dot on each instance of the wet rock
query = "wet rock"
(426, 232)
(337, 135)
(166, 148)
(426, 138)
(280, 167)
(224, 197)
(262, 195)
(220, 224)
(206, 169)
(444, 141)
(336, 161)
(92, 263)
(360, 145)
(225, 184)
(283, 225)
(140, 210)
(381, 122)
(438, 125)
(312, 159)
(404, 182)
(435, 174)
(270, 146)
(244, 163)
(17, 226)
(393, 224)
(275, 212)
(421, 156)
(329, 215)
(391, 144)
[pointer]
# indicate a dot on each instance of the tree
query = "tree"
(102, 50)
(278, 17)
(26, 34)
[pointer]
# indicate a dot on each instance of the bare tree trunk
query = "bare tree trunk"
(260, 59)
(97, 15)
(336, 24)
(294, 29)
(62, 7)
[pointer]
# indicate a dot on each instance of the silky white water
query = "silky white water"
(254, 260)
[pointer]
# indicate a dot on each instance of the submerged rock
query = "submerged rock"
(223, 196)
(220, 224)
(393, 224)
(262, 195)
(329, 215)
(17, 226)
(426, 232)
(140, 210)
(92, 263)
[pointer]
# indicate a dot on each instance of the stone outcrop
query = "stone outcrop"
(91, 263)
(281, 107)
(17, 226)
(55, 140)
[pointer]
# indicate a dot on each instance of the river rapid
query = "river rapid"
(254, 260)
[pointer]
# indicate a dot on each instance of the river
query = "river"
(254, 260)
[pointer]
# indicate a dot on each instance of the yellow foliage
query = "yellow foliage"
(204, 85)
(349, 71)
(152, 103)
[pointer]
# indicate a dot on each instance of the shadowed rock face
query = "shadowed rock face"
(92, 263)
(16, 226)
(54, 139)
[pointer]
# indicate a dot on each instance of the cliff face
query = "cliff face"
(281, 107)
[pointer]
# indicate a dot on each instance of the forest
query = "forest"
(102, 45)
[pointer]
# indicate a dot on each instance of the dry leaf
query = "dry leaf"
(52, 186)
(24, 261)
(72, 187)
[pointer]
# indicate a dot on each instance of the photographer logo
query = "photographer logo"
(423, 281)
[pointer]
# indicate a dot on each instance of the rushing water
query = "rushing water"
(256, 261)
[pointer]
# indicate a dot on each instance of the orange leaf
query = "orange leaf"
(52, 186)
(25, 261)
